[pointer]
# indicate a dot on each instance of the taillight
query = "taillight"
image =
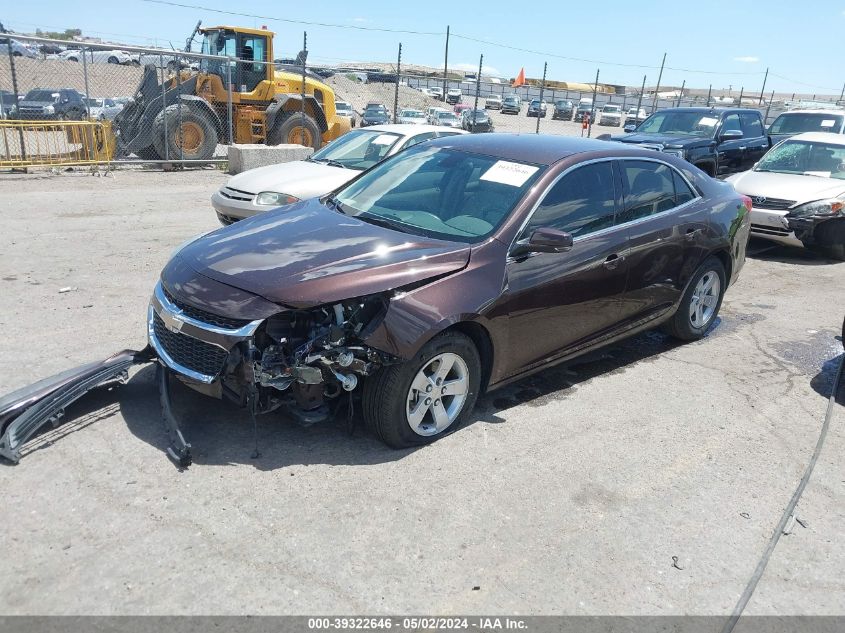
(747, 202)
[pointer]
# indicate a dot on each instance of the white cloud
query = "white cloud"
(747, 59)
(485, 69)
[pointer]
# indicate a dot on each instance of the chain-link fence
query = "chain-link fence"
(186, 107)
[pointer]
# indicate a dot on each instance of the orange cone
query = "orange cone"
(520, 79)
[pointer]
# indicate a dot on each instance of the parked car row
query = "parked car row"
(58, 104)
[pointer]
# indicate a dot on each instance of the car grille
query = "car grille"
(236, 194)
(202, 315)
(775, 204)
(765, 229)
(189, 352)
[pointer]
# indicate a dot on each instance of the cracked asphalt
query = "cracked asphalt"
(643, 479)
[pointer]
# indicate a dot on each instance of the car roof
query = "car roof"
(833, 111)
(713, 109)
(542, 149)
(405, 129)
(831, 138)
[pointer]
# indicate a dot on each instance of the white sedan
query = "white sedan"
(337, 163)
(96, 56)
(797, 192)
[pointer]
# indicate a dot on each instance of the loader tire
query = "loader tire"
(148, 153)
(194, 131)
(290, 128)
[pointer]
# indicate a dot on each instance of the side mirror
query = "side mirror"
(630, 127)
(543, 240)
(731, 135)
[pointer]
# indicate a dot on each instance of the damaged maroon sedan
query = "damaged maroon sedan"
(455, 267)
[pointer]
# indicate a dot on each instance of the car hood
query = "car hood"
(306, 255)
(299, 178)
(36, 104)
(663, 139)
(375, 117)
(786, 186)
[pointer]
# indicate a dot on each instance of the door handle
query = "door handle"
(742, 148)
(691, 234)
(613, 261)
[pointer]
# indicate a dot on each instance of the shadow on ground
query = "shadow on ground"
(774, 252)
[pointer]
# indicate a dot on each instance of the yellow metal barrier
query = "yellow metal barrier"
(60, 143)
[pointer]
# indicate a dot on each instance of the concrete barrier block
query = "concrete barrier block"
(244, 157)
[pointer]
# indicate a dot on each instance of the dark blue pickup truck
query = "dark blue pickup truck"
(717, 140)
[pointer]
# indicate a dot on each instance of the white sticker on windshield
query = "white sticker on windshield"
(384, 139)
(507, 173)
(828, 123)
(707, 121)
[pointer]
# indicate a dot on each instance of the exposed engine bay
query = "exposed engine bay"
(300, 358)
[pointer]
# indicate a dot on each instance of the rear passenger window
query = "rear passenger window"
(650, 189)
(580, 203)
(683, 193)
(751, 124)
(419, 138)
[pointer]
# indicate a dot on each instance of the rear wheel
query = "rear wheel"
(295, 128)
(191, 135)
(700, 303)
(427, 397)
(113, 60)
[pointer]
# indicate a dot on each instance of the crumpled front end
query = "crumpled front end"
(296, 358)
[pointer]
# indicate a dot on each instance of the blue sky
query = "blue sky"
(734, 41)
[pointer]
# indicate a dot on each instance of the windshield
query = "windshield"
(805, 158)
(217, 43)
(93, 103)
(683, 123)
(359, 149)
(797, 122)
(439, 192)
(447, 115)
(609, 108)
(42, 95)
(412, 114)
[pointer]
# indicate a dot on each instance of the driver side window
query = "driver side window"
(731, 123)
(580, 203)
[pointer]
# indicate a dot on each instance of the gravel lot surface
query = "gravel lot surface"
(570, 492)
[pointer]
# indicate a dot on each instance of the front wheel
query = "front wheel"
(191, 135)
(297, 129)
(427, 397)
(700, 302)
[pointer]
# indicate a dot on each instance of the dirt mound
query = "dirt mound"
(104, 80)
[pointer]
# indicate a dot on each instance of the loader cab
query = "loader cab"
(253, 49)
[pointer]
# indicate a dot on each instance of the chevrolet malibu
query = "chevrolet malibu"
(455, 267)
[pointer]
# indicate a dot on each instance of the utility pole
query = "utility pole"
(709, 92)
(681, 95)
(640, 101)
(768, 108)
(659, 78)
(841, 94)
(741, 92)
(542, 88)
(446, 64)
(477, 88)
(396, 94)
(593, 110)
(763, 89)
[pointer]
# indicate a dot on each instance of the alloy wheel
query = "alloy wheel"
(437, 394)
(705, 298)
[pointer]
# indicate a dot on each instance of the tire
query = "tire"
(198, 133)
(113, 60)
(830, 239)
(288, 129)
(388, 394)
(688, 327)
(73, 59)
(148, 153)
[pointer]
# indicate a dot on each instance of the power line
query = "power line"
(801, 83)
(289, 20)
(596, 61)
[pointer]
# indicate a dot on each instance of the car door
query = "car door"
(730, 152)
(757, 143)
(559, 301)
(663, 238)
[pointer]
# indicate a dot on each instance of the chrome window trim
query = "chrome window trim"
(572, 168)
